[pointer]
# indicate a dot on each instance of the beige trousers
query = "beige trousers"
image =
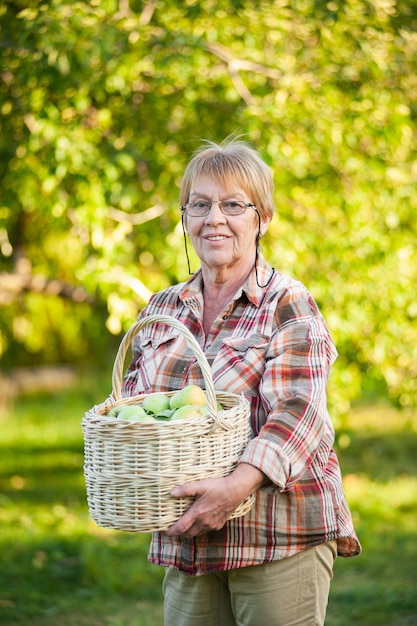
(291, 592)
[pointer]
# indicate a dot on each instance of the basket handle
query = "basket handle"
(117, 376)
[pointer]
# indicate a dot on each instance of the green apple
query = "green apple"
(206, 410)
(144, 418)
(114, 412)
(191, 394)
(134, 412)
(155, 403)
(187, 411)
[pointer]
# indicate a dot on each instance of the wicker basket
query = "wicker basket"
(131, 467)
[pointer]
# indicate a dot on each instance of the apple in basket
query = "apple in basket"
(190, 395)
(131, 412)
(189, 410)
(155, 403)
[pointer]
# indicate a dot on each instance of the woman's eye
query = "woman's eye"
(201, 205)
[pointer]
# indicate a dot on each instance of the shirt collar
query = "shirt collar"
(250, 288)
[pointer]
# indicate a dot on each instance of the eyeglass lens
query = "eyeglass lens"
(228, 207)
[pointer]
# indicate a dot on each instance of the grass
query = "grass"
(58, 567)
(379, 464)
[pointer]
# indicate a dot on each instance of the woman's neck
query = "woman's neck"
(218, 291)
(223, 282)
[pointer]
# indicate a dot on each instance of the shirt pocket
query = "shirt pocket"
(240, 364)
(158, 361)
(152, 343)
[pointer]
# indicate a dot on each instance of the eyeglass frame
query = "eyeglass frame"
(247, 205)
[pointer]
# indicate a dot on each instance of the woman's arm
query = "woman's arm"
(215, 500)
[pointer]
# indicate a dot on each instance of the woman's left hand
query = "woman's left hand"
(215, 500)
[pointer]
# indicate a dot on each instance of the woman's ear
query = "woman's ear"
(264, 227)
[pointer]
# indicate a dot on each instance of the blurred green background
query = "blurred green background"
(102, 104)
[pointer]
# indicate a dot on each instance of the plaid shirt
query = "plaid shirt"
(272, 345)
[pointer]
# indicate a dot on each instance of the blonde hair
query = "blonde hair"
(232, 162)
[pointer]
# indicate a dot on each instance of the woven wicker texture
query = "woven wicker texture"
(131, 467)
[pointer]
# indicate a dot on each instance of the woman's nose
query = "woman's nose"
(215, 214)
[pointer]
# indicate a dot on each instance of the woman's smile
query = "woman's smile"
(215, 237)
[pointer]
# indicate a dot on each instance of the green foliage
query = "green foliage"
(102, 104)
(58, 567)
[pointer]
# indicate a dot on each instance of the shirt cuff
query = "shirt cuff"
(265, 456)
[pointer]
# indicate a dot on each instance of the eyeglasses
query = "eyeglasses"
(201, 208)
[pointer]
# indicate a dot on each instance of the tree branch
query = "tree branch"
(136, 218)
(147, 13)
(12, 285)
(237, 65)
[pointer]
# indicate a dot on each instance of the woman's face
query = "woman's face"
(223, 242)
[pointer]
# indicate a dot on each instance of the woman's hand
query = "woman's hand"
(215, 500)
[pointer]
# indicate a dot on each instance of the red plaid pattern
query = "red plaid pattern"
(271, 344)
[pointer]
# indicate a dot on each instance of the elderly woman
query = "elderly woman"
(264, 337)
